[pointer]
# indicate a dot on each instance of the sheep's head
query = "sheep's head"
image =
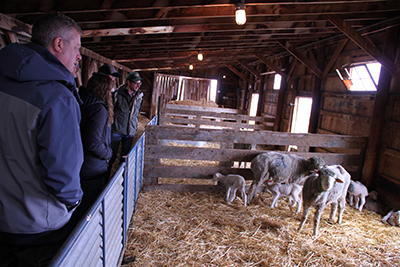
(396, 218)
(216, 176)
(315, 163)
(328, 178)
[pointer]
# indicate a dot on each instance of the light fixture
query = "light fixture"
(200, 56)
(191, 67)
(240, 13)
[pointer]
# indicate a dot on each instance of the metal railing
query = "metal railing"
(100, 237)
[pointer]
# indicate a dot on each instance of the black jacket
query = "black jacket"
(96, 134)
(126, 111)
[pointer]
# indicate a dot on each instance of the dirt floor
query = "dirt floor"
(200, 229)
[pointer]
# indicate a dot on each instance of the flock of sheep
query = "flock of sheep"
(288, 175)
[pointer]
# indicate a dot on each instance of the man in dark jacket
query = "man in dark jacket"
(127, 103)
(40, 143)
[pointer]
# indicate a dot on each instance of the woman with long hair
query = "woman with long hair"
(97, 117)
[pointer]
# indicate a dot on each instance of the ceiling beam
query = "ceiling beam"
(270, 64)
(363, 43)
(334, 57)
(252, 70)
(302, 58)
(238, 73)
(14, 25)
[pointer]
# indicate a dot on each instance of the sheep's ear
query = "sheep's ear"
(339, 180)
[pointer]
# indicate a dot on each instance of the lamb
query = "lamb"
(280, 168)
(232, 182)
(328, 186)
(392, 218)
(357, 192)
(290, 190)
(373, 204)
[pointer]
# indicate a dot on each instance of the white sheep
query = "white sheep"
(281, 168)
(392, 218)
(290, 190)
(327, 186)
(232, 182)
(357, 192)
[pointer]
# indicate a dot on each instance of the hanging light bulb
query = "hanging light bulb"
(240, 13)
(191, 67)
(200, 56)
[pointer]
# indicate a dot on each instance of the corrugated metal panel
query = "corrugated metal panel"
(99, 239)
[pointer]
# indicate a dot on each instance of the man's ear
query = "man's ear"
(58, 44)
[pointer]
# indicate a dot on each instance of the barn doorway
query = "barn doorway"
(253, 106)
(301, 116)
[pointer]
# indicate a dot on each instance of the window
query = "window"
(277, 82)
(363, 77)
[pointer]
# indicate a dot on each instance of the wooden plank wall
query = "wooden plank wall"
(174, 87)
(156, 149)
(388, 173)
(199, 116)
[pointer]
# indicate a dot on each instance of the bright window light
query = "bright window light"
(363, 77)
(253, 106)
(213, 91)
(277, 82)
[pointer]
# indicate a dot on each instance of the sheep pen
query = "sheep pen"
(171, 228)
(198, 229)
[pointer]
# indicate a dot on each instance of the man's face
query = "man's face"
(69, 55)
(134, 86)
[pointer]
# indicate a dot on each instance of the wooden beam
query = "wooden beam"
(14, 25)
(363, 43)
(292, 67)
(270, 64)
(12, 37)
(238, 73)
(378, 113)
(302, 58)
(255, 73)
(334, 57)
(86, 52)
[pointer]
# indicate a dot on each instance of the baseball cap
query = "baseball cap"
(134, 76)
(109, 70)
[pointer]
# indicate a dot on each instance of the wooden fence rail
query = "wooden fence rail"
(222, 155)
(202, 117)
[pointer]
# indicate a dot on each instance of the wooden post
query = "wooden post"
(378, 115)
(281, 97)
(316, 97)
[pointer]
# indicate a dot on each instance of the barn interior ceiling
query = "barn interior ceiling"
(157, 34)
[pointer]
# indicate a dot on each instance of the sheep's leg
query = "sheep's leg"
(298, 207)
(317, 217)
(342, 204)
(362, 202)
(297, 202)
(244, 196)
(254, 185)
(306, 209)
(351, 200)
(357, 201)
(228, 195)
(274, 203)
(333, 211)
(233, 195)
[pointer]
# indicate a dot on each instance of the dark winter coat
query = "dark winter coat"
(40, 142)
(126, 111)
(96, 134)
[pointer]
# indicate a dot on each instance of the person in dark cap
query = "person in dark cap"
(110, 71)
(127, 103)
